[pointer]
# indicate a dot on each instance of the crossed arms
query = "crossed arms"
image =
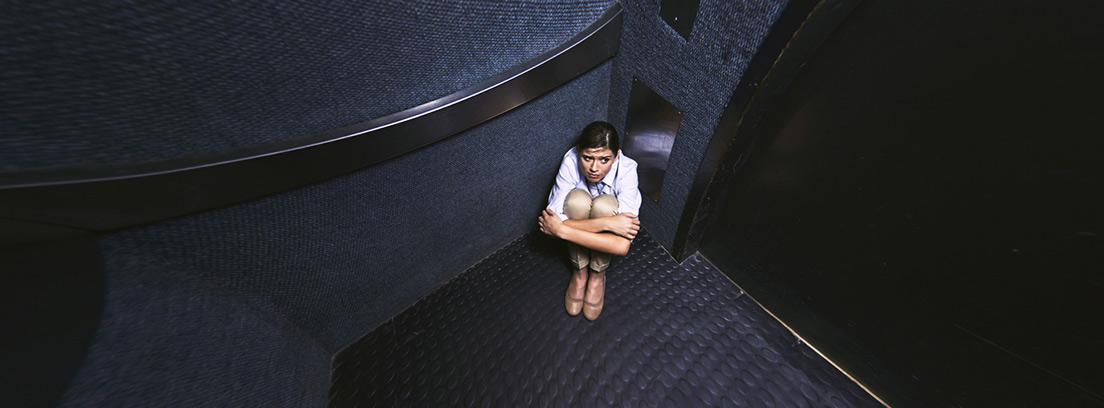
(607, 234)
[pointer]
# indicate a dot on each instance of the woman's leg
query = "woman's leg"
(604, 205)
(577, 206)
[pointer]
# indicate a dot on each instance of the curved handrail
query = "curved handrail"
(106, 199)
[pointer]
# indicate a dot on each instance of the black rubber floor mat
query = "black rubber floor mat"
(669, 335)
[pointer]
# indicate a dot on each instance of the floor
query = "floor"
(669, 335)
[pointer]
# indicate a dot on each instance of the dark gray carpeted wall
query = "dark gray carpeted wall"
(92, 83)
(244, 305)
(697, 75)
(258, 295)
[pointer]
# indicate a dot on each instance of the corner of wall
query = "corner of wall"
(697, 75)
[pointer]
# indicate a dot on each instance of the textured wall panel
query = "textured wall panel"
(697, 75)
(340, 256)
(167, 339)
(259, 294)
(110, 82)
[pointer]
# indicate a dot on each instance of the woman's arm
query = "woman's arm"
(551, 224)
(566, 179)
(625, 225)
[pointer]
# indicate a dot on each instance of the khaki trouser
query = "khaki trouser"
(579, 206)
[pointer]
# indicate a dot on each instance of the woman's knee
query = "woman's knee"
(577, 205)
(604, 205)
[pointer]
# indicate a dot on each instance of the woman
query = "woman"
(593, 207)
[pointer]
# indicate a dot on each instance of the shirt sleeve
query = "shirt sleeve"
(566, 180)
(628, 189)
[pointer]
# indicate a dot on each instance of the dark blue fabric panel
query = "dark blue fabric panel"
(338, 258)
(698, 76)
(168, 339)
(125, 82)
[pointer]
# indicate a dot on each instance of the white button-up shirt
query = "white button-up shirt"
(621, 182)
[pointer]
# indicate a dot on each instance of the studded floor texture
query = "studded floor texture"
(669, 335)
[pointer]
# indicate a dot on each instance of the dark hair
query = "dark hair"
(598, 134)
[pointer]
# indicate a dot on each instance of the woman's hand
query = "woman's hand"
(625, 225)
(550, 223)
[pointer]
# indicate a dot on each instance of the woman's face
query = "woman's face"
(596, 162)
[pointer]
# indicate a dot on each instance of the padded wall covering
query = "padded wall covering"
(121, 82)
(698, 76)
(253, 298)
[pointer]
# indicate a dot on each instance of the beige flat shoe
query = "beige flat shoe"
(574, 306)
(591, 312)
